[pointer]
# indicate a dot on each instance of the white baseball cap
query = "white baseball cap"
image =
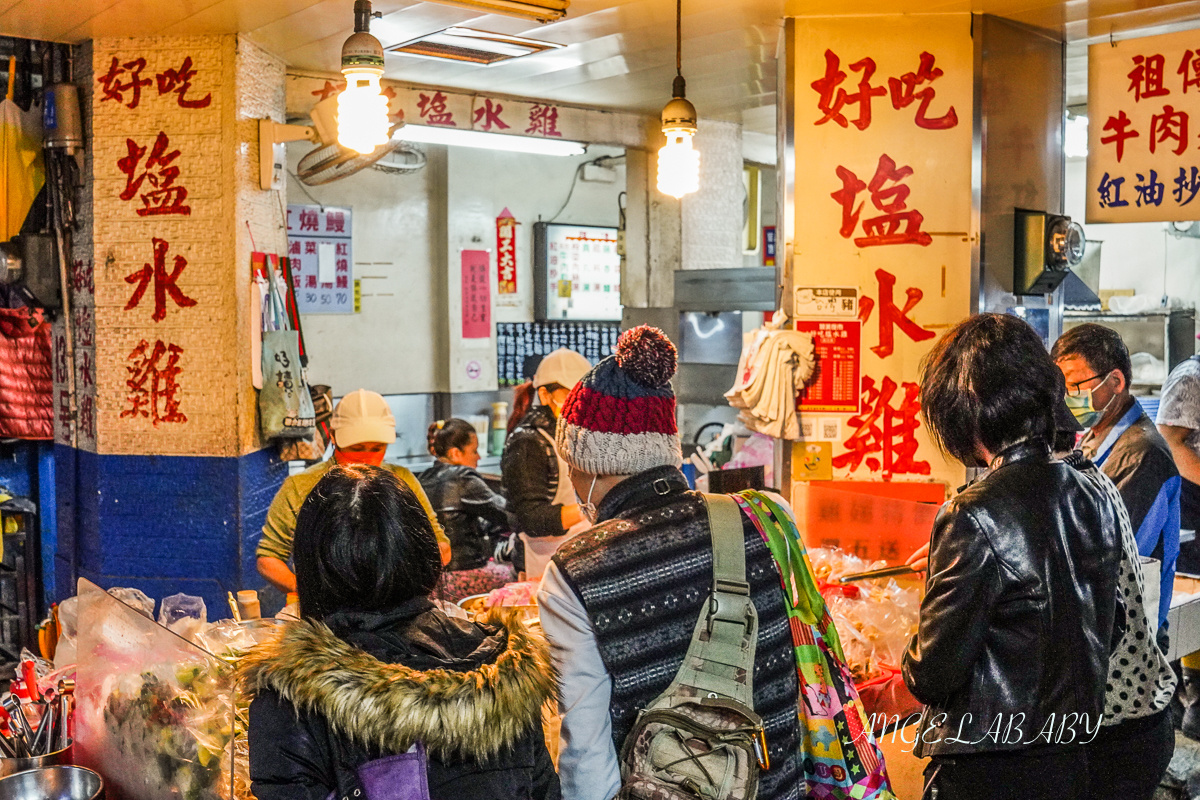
(362, 416)
(563, 367)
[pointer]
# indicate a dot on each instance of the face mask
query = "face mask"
(372, 459)
(1084, 410)
(588, 507)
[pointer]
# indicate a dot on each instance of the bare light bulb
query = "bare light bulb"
(362, 111)
(678, 165)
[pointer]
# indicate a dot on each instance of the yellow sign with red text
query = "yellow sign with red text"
(1143, 116)
(883, 137)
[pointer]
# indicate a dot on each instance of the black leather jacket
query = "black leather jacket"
(1017, 619)
(472, 515)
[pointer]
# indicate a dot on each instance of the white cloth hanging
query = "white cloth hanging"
(775, 365)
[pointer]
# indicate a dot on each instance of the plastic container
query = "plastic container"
(248, 606)
(499, 427)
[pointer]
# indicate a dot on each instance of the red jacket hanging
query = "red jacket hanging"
(26, 375)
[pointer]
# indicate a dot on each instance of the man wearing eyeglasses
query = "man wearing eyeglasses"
(1123, 441)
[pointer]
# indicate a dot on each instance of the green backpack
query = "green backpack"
(701, 738)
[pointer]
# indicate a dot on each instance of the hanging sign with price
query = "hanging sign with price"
(322, 260)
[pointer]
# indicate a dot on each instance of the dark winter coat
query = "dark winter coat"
(330, 697)
(1019, 608)
(529, 475)
(471, 513)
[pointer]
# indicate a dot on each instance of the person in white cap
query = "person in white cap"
(534, 478)
(363, 427)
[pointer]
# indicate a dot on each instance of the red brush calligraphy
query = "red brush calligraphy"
(164, 282)
(892, 200)
(153, 389)
(159, 172)
(892, 316)
(543, 121)
(884, 434)
(904, 90)
(487, 117)
(432, 109)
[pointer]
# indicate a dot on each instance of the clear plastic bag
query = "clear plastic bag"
(154, 712)
(875, 619)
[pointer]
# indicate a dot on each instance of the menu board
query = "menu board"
(838, 345)
(520, 346)
(320, 255)
(577, 272)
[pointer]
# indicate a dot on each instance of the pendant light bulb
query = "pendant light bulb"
(362, 108)
(678, 161)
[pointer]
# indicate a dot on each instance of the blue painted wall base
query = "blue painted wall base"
(163, 524)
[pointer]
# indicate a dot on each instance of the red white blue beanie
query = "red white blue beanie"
(620, 418)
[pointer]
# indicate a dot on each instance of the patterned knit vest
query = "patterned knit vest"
(643, 576)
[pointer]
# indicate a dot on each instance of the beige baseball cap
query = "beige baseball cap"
(362, 416)
(564, 367)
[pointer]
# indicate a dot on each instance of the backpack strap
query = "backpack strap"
(720, 657)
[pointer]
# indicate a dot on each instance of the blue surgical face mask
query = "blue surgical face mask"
(1084, 409)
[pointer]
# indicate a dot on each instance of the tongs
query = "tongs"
(886, 572)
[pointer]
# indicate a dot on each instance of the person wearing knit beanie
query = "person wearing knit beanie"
(620, 418)
(619, 602)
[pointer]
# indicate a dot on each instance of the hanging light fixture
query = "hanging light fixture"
(678, 163)
(362, 108)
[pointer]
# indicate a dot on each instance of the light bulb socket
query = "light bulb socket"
(362, 51)
(679, 87)
(679, 115)
(362, 16)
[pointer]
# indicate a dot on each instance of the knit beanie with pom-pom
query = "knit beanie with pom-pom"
(620, 418)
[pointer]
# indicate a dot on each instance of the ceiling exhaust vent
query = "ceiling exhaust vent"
(472, 46)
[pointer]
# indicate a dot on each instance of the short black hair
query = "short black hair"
(989, 381)
(363, 543)
(1102, 348)
(453, 432)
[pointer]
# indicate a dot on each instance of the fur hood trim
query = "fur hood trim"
(389, 706)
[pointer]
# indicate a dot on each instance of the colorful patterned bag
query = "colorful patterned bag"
(842, 760)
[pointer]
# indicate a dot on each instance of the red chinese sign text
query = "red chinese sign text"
(897, 224)
(158, 173)
(152, 385)
(884, 434)
(904, 90)
(164, 282)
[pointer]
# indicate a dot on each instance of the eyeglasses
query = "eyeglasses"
(1074, 389)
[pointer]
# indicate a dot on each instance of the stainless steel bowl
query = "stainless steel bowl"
(53, 783)
(11, 766)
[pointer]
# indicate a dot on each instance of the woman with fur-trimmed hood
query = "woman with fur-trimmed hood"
(374, 669)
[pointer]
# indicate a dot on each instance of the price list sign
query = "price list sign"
(838, 345)
(520, 346)
(320, 255)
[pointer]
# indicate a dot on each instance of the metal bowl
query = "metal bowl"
(53, 783)
(11, 766)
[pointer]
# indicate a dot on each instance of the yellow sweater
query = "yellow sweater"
(280, 527)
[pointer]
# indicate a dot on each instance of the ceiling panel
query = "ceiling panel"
(619, 53)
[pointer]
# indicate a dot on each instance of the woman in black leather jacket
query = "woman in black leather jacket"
(1012, 651)
(472, 515)
(375, 687)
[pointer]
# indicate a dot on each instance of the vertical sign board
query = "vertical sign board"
(321, 288)
(153, 378)
(1143, 123)
(476, 295)
(883, 132)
